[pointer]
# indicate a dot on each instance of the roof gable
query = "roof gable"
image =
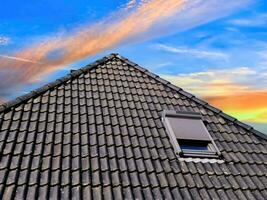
(76, 73)
(97, 133)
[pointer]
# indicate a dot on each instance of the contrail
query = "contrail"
(18, 59)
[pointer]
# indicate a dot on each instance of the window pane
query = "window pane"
(193, 145)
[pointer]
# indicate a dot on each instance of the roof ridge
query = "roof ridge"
(48, 86)
(194, 98)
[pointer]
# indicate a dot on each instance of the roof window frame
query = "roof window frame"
(214, 152)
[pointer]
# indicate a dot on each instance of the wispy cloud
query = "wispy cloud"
(161, 65)
(147, 20)
(4, 40)
(18, 59)
(131, 4)
(255, 21)
(262, 57)
(216, 82)
(87, 40)
(193, 52)
(135, 3)
(239, 91)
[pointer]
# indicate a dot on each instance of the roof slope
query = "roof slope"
(97, 134)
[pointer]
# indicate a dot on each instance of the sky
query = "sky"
(215, 49)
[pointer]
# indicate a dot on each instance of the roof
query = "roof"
(97, 134)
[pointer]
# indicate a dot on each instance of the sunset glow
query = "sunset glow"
(250, 106)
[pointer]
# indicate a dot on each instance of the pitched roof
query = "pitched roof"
(97, 134)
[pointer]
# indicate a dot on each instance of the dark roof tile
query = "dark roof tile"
(195, 193)
(258, 195)
(186, 194)
(198, 181)
(166, 193)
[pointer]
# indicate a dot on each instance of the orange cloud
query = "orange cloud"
(226, 90)
(245, 101)
(211, 83)
(247, 106)
(153, 17)
(86, 41)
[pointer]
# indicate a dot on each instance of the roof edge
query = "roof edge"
(194, 98)
(48, 86)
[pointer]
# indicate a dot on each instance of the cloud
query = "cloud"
(193, 52)
(238, 92)
(4, 40)
(18, 59)
(255, 21)
(135, 3)
(131, 4)
(246, 100)
(216, 82)
(85, 41)
(262, 58)
(161, 65)
(248, 106)
(148, 20)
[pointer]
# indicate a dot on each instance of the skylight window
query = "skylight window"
(188, 134)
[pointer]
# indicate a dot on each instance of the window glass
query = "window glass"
(193, 146)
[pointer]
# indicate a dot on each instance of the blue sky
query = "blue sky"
(213, 56)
